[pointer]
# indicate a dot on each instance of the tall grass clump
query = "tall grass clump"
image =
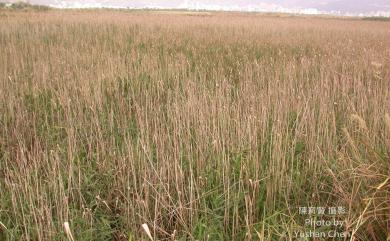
(147, 125)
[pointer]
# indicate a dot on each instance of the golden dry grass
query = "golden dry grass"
(214, 127)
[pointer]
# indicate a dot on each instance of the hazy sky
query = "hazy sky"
(343, 6)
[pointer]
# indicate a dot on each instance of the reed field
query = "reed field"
(172, 125)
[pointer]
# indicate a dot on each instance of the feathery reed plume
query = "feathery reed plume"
(68, 232)
(145, 227)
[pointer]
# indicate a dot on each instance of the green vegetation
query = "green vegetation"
(377, 18)
(215, 128)
(24, 6)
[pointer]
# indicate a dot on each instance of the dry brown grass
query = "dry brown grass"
(212, 127)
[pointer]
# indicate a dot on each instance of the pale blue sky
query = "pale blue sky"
(342, 6)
